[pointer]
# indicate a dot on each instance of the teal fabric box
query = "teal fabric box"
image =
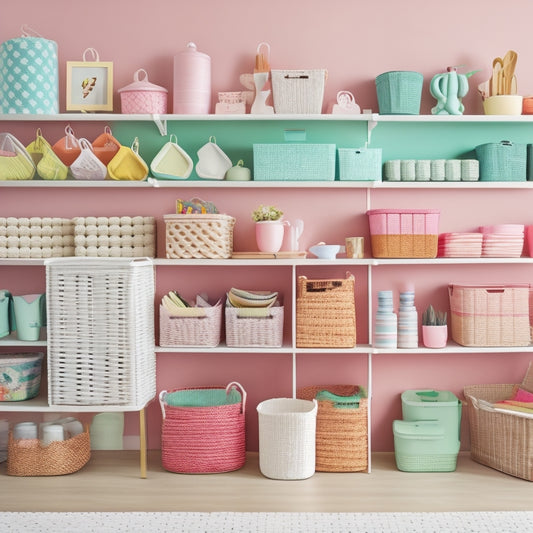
(360, 164)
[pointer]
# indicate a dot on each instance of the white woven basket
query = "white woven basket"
(287, 432)
(247, 331)
(298, 91)
(100, 331)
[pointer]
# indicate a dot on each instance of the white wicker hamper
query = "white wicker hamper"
(100, 331)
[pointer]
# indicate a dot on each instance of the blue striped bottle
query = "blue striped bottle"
(386, 323)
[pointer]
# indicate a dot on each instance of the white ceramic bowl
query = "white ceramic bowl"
(503, 104)
(325, 251)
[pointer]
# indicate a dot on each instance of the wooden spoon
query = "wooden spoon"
(495, 81)
(509, 64)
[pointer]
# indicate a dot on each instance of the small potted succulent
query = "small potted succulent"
(269, 228)
(434, 328)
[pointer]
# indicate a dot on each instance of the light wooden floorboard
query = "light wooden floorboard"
(111, 482)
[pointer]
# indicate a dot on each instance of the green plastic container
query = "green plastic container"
(424, 446)
(440, 406)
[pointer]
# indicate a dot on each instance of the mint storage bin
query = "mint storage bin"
(359, 164)
(503, 161)
(399, 92)
(6, 313)
(424, 446)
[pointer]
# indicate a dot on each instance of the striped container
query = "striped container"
(386, 323)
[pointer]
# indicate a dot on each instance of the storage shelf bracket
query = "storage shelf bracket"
(370, 125)
(160, 123)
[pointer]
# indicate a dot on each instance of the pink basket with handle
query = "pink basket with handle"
(143, 97)
(203, 430)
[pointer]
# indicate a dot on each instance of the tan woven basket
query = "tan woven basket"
(341, 430)
(503, 441)
(30, 458)
(208, 236)
(325, 313)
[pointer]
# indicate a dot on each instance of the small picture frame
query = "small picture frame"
(89, 86)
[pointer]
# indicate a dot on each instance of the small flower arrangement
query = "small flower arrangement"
(264, 212)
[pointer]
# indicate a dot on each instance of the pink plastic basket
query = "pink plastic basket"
(203, 429)
(143, 97)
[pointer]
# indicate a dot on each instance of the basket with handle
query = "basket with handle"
(503, 161)
(203, 429)
(298, 91)
(341, 427)
(15, 162)
(249, 327)
(325, 313)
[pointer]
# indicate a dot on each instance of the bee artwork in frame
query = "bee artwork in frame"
(89, 86)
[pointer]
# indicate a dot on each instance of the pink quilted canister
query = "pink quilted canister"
(192, 82)
(141, 96)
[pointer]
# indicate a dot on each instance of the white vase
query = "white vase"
(269, 235)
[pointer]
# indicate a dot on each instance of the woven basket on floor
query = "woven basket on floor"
(203, 429)
(27, 457)
(325, 313)
(341, 428)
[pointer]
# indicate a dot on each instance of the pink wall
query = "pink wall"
(355, 41)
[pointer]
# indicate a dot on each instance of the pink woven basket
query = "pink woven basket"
(203, 429)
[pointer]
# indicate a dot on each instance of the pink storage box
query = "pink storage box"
(404, 232)
(143, 97)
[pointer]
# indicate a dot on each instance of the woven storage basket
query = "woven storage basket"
(294, 162)
(126, 236)
(30, 458)
(490, 315)
(325, 313)
(20, 376)
(287, 431)
(501, 440)
(208, 236)
(503, 161)
(298, 91)
(193, 327)
(399, 92)
(404, 232)
(360, 164)
(243, 330)
(100, 331)
(203, 429)
(341, 427)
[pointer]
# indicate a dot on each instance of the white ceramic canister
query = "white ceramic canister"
(192, 82)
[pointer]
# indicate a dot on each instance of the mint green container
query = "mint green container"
(6, 313)
(29, 316)
(399, 92)
(424, 446)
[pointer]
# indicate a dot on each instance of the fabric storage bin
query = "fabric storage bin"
(490, 315)
(499, 439)
(341, 427)
(360, 164)
(422, 446)
(100, 331)
(254, 327)
(298, 91)
(325, 313)
(287, 431)
(503, 161)
(195, 326)
(203, 236)
(294, 162)
(399, 92)
(143, 97)
(20, 376)
(126, 236)
(404, 232)
(31, 458)
(203, 429)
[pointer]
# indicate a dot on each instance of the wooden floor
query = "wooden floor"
(111, 482)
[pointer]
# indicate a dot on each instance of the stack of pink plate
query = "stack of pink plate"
(504, 240)
(460, 244)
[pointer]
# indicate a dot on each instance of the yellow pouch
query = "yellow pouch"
(127, 164)
(15, 162)
(49, 166)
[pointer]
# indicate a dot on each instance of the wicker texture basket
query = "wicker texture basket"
(208, 236)
(490, 315)
(325, 313)
(203, 429)
(341, 428)
(399, 92)
(254, 331)
(503, 441)
(190, 329)
(503, 161)
(298, 91)
(360, 164)
(27, 457)
(100, 331)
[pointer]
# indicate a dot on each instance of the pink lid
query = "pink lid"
(402, 211)
(142, 85)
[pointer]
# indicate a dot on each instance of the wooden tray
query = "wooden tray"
(268, 255)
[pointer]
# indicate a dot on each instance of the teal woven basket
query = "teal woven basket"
(294, 162)
(503, 161)
(399, 92)
(360, 164)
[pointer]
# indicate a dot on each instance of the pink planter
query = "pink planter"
(269, 235)
(434, 336)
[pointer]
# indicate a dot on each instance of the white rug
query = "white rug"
(460, 522)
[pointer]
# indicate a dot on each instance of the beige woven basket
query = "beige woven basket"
(247, 331)
(208, 236)
(325, 313)
(503, 441)
(341, 430)
(28, 457)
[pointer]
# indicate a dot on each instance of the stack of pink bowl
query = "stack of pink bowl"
(503, 240)
(460, 244)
